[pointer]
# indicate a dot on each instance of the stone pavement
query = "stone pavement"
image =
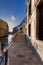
(21, 53)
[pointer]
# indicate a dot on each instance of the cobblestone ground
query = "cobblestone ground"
(21, 53)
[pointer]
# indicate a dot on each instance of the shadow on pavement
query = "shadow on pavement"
(33, 49)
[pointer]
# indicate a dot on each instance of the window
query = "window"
(39, 23)
(29, 29)
(30, 8)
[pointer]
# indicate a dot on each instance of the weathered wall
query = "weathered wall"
(37, 44)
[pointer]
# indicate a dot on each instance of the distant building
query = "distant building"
(22, 26)
(4, 28)
(15, 29)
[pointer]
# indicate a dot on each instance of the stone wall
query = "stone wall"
(37, 44)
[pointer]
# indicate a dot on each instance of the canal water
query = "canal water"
(2, 59)
(10, 38)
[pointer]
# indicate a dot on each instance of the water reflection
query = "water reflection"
(3, 45)
(10, 38)
(4, 41)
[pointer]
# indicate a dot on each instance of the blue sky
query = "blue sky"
(12, 11)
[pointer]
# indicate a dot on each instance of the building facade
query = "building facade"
(34, 24)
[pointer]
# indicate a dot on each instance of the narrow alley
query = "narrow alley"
(20, 53)
(21, 32)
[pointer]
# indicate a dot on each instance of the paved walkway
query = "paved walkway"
(21, 53)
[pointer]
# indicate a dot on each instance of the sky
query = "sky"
(12, 11)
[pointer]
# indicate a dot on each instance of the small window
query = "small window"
(29, 29)
(30, 8)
